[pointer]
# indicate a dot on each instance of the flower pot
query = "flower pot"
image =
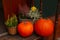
(12, 30)
(20, 20)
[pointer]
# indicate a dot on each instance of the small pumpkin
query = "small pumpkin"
(25, 28)
(44, 27)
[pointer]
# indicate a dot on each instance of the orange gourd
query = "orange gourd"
(44, 27)
(25, 28)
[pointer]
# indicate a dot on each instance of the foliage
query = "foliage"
(12, 21)
(34, 13)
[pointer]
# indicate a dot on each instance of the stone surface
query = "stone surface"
(17, 37)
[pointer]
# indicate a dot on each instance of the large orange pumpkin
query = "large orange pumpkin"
(25, 28)
(44, 27)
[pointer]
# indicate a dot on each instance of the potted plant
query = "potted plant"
(33, 14)
(11, 24)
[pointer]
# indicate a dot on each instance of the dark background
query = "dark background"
(0, 4)
(2, 27)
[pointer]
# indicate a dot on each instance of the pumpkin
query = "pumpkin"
(44, 27)
(25, 28)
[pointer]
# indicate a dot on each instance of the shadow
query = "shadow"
(2, 27)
